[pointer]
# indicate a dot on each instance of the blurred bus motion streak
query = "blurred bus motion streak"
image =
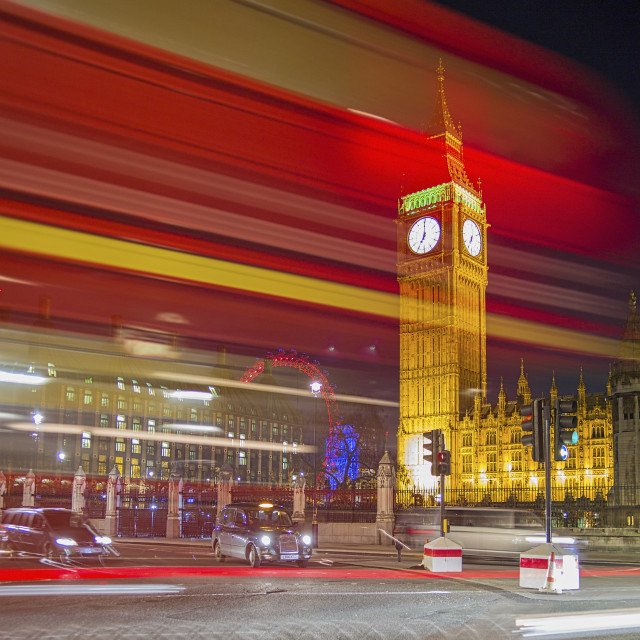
(248, 156)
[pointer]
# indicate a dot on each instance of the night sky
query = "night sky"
(600, 34)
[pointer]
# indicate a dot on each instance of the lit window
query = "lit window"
(71, 394)
(88, 397)
(86, 440)
(120, 383)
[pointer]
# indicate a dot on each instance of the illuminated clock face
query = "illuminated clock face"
(424, 235)
(471, 237)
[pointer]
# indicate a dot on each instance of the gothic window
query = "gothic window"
(467, 464)
(491, 461)
(597, 431)
(598, 457)
(467, 439)
(516, 461)
(491, 437)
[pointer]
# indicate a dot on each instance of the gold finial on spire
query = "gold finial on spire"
(440, 71)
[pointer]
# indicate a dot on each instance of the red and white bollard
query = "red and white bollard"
(442, 555)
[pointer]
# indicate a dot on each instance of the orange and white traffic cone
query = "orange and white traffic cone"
(550, 582)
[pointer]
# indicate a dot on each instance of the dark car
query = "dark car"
(259, 533)
(57, 534)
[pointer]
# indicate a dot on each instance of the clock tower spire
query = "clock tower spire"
(442, 276)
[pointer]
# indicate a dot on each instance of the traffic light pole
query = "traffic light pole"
(442, 512)
(547, 471)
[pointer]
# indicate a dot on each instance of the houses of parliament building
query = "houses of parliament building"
(442, 275)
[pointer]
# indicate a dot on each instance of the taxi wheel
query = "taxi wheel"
(217, 552)
(304, 563)
(254, 557)
(47, 551)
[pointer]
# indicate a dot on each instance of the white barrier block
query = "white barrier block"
(442, 555)
(537, 571)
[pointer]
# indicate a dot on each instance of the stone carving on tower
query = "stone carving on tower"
(442, 276)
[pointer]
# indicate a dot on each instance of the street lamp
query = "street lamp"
(316, 388)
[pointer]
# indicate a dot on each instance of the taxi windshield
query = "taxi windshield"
(270, 516)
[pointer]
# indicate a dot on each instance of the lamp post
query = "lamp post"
(316, 387)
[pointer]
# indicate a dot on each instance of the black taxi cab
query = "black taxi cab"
(257, 533)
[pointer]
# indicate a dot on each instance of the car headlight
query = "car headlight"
(103, 539)
(66, 542)
(306, 540)
(266, 540)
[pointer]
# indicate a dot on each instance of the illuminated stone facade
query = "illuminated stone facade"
(493, 461)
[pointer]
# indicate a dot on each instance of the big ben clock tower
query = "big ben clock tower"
(442, 273)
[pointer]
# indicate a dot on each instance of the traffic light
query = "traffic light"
(443, 467)
(564, 426)
(533, 426)
(431, 446)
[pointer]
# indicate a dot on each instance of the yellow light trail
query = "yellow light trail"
(66, 244)
(112, 253)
